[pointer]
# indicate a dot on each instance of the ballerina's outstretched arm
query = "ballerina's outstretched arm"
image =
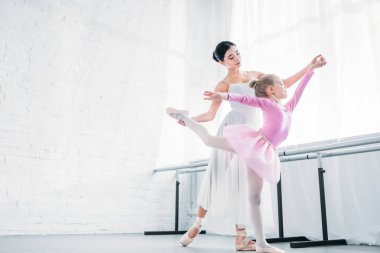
(233, 97)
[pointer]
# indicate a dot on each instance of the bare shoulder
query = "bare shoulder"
(222, 86)
(256, 74)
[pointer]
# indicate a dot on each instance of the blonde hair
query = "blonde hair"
(260, 85)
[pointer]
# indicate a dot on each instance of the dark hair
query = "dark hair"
(260, 85)
(221, 49)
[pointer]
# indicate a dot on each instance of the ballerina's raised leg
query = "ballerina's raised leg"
(208, 139)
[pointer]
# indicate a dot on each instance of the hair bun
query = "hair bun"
(215, 57)
(253, 83)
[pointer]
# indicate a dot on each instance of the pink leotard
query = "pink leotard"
(258, 148)
(277, 118)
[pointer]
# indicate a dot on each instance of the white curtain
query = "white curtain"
(341, 100)
(190, 70)
(282, 36)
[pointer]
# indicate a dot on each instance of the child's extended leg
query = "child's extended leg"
(255, 187)
(208, 139)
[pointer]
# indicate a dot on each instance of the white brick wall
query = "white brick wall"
(83, 87)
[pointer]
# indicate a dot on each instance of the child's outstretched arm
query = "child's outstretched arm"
(292, 103)
(233, 97)
(305, 80)
(297, 76)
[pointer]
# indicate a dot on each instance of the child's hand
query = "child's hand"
(216, 96)
(315, 59)
(181, 122)
(318, 62)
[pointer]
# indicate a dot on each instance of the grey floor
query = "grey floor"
(142, 244)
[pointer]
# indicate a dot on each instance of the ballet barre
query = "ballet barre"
(319, 155)
(286, 155)
(314, 153)
(191, 167)
(193, 164)
(338, 145)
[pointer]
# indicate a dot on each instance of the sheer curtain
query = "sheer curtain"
(282, 36)
(341, 100)
(190, 70)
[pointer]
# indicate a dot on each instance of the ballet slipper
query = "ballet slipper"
(245, 245)
(174, 113)
(185, 239)
(269, 249)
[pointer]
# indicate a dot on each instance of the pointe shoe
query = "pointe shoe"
(185, 239)
(245, 245)
(174, 113)
(269, 249)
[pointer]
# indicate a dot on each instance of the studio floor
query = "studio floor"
(143, 244)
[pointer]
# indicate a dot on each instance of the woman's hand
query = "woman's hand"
(318, 62)
(216, 96)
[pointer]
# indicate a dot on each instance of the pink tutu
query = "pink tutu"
(255, 150)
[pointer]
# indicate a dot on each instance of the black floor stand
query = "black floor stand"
(281, 237)
(325, 241)
(176, 231)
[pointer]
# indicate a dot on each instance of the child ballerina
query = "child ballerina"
(256, 148)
